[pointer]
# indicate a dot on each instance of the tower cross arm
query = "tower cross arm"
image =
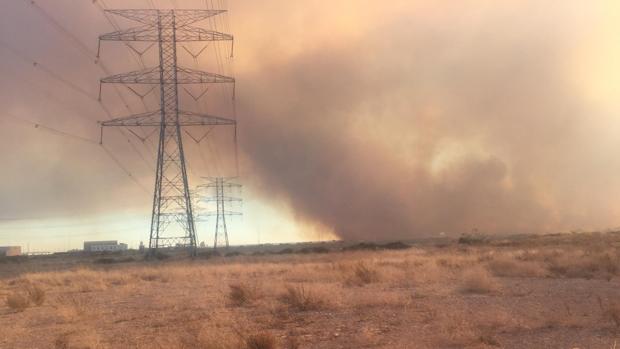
(149, 33)
(192, 76)
(141, 33)
(145, 76)
(154, 119)
(190, 33)
(152, 76)
(187, 118)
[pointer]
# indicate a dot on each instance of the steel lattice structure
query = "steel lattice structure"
(172, 220)
(220, 186)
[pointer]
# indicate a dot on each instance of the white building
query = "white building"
(9, 251)
(104, 246)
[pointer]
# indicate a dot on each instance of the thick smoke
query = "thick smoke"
(445, 123)
(376, 121)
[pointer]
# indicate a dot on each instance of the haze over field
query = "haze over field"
(363, 119)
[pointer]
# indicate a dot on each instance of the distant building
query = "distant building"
(104, 246)
(9, 251)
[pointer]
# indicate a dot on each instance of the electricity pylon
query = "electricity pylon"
(172, 220)
(221, 187)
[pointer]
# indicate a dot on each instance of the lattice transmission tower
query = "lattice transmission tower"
(221, 189)
(172, 220)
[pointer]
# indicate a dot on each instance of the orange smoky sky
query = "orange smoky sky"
(371, 120)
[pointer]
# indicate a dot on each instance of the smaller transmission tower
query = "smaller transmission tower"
(221, 188)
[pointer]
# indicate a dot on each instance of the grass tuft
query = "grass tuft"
(241, 294)
(36, 295)
(261, 340)
(17, 301)
(364, 274)
(300, 299)
(505, 266)
(478, 281)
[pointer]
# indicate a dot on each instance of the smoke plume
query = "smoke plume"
(437, 121)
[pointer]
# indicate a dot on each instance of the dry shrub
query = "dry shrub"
(28, 294)
(219, 335)
(292, 342)
(585, 265)
(117, 280)
(36, 294)
(150, 277)
(450, 262)
(17, 301)
(505, 266)
(478, 280)
(363, 274)
(610, 311)
(62, 342)
(261, 340)
(613, 313)
(73, 308)
(242, 294)
(300, 299)
(489, 340)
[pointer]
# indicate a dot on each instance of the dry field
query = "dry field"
(540, 292)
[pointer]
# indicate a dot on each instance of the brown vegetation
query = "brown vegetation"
(508, 266)
(25, 295)
(478, 280)
(17, 301)
(242, 294)
(261, 340)
(551, 291)
(301, 299)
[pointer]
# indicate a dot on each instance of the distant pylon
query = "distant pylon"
(172, 219)
(221, 187)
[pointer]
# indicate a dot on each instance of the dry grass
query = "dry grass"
(261, 340)
(301, 299)
(613, 313)
(242, 294)
(478, 280)
(25, 295)
(62, 342)
(585, 264)
(17, 301)
(36, 294)
(73, 308)
(507, 266)
(610, 311)
(306, 301)
(365, 274)
(361, 273)
(489, 340)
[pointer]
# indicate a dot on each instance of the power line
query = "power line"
(76, 42)
(129, 174)
(71, 85)
(47, 70)
(80, 138)
(80, 45)
(51, 129)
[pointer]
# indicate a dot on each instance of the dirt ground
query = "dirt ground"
(556, 291)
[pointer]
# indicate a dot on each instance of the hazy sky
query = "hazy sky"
(363, 119)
